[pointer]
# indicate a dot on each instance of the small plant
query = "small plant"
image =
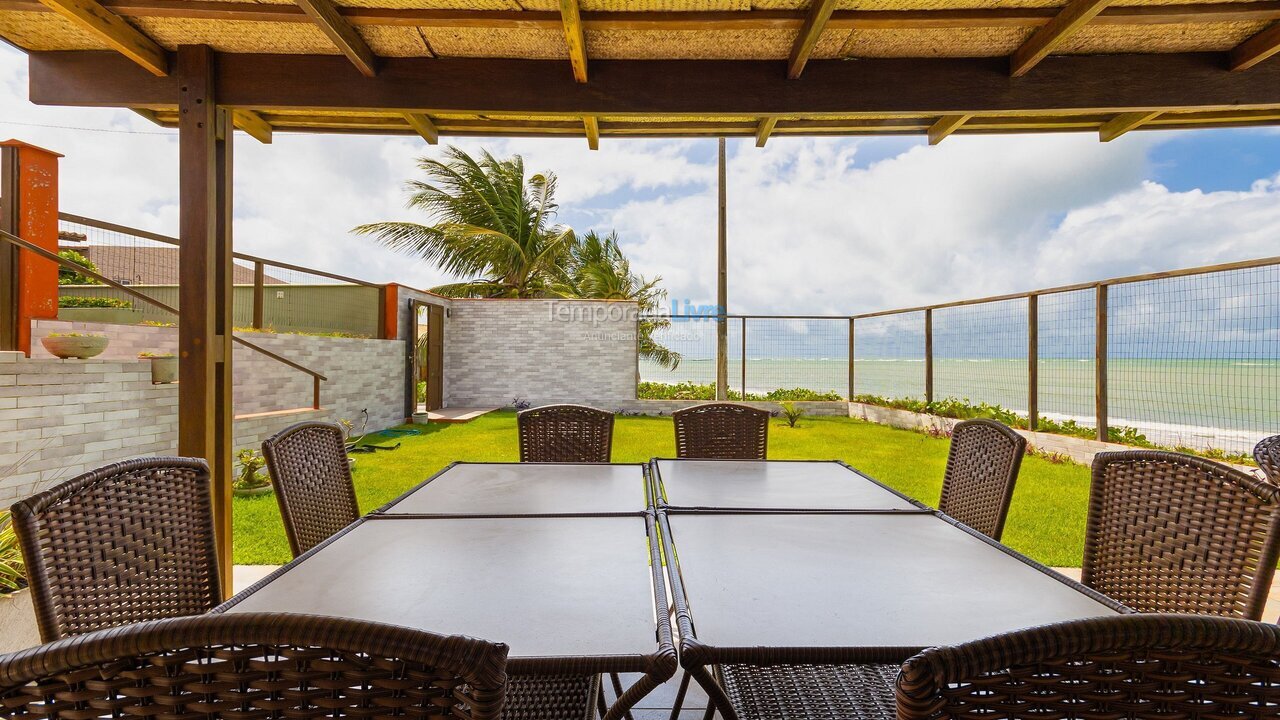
(520, 403)
(157, 323)
(92, 301)
(148, 355)
(791, 413)
(13, 572)
(76, 334)
(251, 476)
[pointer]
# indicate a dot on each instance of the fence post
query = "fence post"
(852, 322)
(382, 313)
(9, 253)
(928, 355)
(744, 358)
(1033, 361)
(259, 279)
(1100, 362)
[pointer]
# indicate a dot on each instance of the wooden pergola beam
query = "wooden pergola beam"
(115, 32)
(1256, 49)
(1123, 123)
(763, 129)
(340, 32)
(574, 38)
(1074, 16)
(253, 124)
(946, 125)
(1063, 84)
(814, 23)
(423, 125)
(592, 127)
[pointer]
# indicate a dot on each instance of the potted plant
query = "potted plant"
(164, 367)
(18, 628)
(251, 481)
(74, 345)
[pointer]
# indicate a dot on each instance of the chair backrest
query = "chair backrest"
(122, 544)
(1132, 666)
(982, 469)
(565, 433)
(1267, 455)
(308, 466)
(1173, 533)
(259, 665)
(722, 431)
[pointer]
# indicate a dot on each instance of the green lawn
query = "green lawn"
(1046, 521)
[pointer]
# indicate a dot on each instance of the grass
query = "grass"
(1046, 521)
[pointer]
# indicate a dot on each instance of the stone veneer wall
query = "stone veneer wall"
(541, 351)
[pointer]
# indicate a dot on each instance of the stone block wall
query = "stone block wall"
(541, 351)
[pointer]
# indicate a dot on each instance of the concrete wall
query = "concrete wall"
(541, 351)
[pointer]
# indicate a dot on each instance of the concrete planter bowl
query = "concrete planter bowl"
(74, 346)
(164, 369)
(18, 629)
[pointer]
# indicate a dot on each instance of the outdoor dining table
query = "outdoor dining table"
(572, 594)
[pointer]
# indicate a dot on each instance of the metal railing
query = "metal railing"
(316, 378)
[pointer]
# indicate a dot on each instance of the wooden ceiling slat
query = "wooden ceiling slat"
(1256, 49)
(814, 23)
(253, 124)
(340, 32)
(946, 125)
(1123, 123)
(114, 31)
(571, 17)
(1074, 16)
(592, 127)
(423, 125)
(763, 129)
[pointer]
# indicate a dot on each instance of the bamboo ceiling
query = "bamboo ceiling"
(573, 35)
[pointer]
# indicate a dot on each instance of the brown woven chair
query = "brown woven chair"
(1173, 533)
(982, 469)
(1267, 455)
(312, 479)
(125, 543)
(565, 434)
(722, 431)
(1133, 666)
(256, 666)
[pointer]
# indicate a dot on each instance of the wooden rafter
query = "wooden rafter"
(1020, 17)
(571, 18)
(592, 127)
(814, 23)
(253, 124)
(1123, 123)
(424, 126)
(1256, 49)
(342, 34)
(763, 129)
(114, 31)
(1074, 16)
(946, 125)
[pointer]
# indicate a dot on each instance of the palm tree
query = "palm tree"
(598, 269)
(490, 222)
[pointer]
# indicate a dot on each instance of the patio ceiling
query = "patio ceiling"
(599, 68)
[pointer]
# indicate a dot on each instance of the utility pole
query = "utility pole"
(722, 292)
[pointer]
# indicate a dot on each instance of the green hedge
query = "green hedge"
(89, 301)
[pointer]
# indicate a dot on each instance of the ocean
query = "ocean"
(1224, 404)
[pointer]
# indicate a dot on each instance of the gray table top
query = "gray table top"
(772, 484)
(548, 587)
(898, 580)
(527, 489)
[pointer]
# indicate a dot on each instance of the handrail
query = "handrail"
(157, 237)
(31, 247)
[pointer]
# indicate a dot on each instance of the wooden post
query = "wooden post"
(722, 290)
(928, 355)
(1033, 361)
(744, 358)
(386, 327)
(9, 253)
(852, 394)
(204, 288)
(259, 280)
(1100, 362)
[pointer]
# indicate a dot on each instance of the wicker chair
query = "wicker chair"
(1267, 455)
(982, 469)
(1173, 533)
(312, 479)
(126, 543)
(722, 431)
(565, 434)
(256, 666)
(1134, 666)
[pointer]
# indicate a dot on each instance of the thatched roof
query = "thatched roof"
(579, 33)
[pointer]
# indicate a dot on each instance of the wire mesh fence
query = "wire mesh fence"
(980, 353)
(889, 357)
(291, 299)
